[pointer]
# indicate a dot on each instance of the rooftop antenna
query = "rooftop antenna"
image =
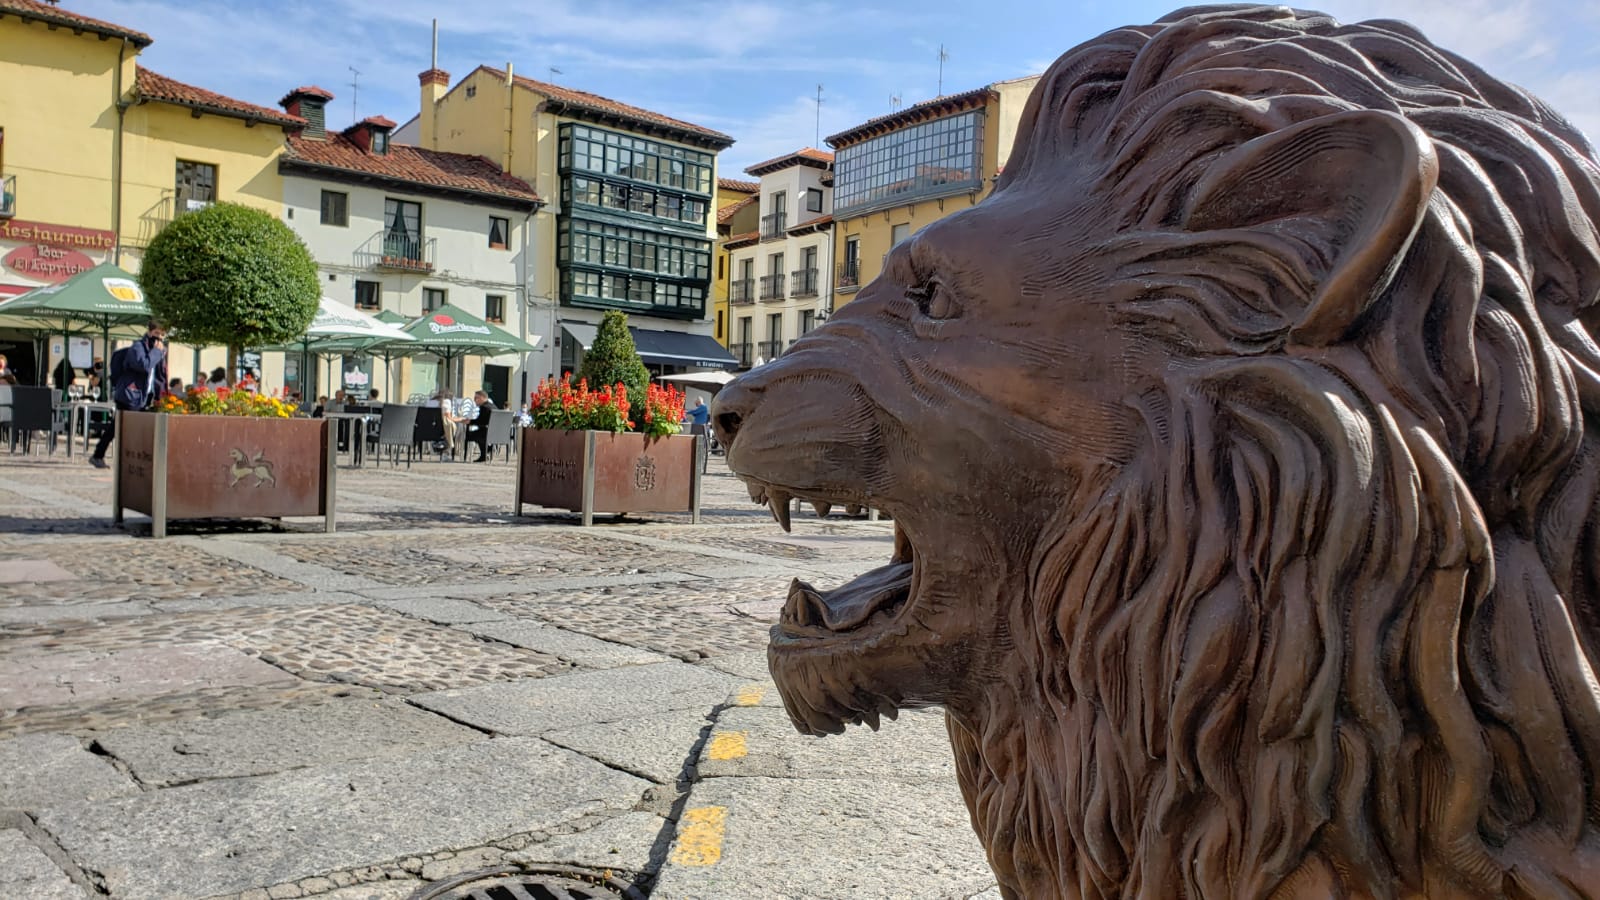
(355, 93)
(435, 63)
(944, 56)
(554, 72)
(894, 102)
(818, 140)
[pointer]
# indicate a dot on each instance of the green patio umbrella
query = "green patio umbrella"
(450, 333)
(338, 329)
(104, 297)
(385, 349)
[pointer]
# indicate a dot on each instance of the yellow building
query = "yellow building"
(630, 222)
(896, 173)
(738, 213)
(97, 155)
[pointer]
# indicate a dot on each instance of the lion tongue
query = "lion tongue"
(850, 605)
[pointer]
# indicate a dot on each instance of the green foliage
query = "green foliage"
(230, 275)
(613, 358)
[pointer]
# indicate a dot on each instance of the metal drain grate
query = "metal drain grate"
(531, 883)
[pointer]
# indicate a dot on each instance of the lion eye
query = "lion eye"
(934, 300)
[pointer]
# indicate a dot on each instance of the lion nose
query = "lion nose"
(732, 405)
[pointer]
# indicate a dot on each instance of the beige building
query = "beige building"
(778, 285)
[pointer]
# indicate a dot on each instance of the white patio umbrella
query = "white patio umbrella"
(339, 328)
(710, 380)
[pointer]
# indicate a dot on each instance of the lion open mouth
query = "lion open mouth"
(854, 609)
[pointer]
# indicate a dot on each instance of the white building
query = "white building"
(405, 229)
(778, 285)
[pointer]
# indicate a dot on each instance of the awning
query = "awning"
(677, 348)
(581, 333)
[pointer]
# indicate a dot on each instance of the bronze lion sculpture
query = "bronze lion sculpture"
(1243, 450)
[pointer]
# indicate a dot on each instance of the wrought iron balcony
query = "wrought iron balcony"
(773, 225)
(849, 275)
(804, 283)
(770, 350)
(741, 352)
(396, 252)
(742, 292)
(772, 286)
(8, 196)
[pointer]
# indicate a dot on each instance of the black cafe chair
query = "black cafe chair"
(396, 430)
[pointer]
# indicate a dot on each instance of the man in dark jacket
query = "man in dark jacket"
(139, 377)
(478, 431)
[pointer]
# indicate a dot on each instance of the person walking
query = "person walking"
(478, 431)
(138, 378)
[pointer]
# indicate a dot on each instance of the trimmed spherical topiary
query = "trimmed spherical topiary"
(613, 358)
(230, 275)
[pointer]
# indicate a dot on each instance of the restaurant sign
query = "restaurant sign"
(38, 253)
(49, 265)
(65, 236)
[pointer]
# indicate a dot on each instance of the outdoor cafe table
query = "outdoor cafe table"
(80, 412)
(358, 434)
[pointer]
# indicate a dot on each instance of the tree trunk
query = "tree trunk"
(233, 364)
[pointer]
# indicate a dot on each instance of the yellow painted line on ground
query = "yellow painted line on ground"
(750, 695)
(700, 836)
(729, 745)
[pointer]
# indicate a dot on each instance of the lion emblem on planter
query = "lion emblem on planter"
(250, 467)
(1243, 450)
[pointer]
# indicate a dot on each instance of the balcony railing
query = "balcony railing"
(742, 292)
(769, 350)
(772, 286)
(396, 252)
(805, 283)
(8, 196)
(849, 275)
(773, 225)
(741, 352)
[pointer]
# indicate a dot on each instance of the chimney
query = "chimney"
(434, 83)
(371, 134)
(308, 103)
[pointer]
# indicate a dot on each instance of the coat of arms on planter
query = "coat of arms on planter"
(254, 466)
(644, 474)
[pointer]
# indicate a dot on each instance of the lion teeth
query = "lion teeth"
(822, 507)
(778, 502)
(870, 719)
(758, 492)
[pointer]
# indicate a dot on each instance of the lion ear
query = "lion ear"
(1343, 194)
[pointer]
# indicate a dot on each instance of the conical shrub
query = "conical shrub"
(613, 358)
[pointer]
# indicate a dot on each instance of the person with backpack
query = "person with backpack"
(138, 379)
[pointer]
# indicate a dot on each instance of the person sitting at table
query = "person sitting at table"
(8, 375)
(478, 425)
(372, 397)
(63, 375)
(175, 386)
(320, 409)
(219, 378)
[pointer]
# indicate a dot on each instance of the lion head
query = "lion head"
(1243, 457)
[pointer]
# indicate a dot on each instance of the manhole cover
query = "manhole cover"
(530, 883)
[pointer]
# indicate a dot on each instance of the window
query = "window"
(775, 330)
(494, 308)
(808, 320)
(747, 269)
(852, 251)
(583, 190)
(432, 299)
(931, 159)
(499, 232)
(335, 208)
(720, 315)
(368, 295)
(584, 148)
(402, 229)
(899, 233)
(721, 267)
(380, 142)
(582, 242)
(813, 200)
(780, 203)
(775, 264)
(196, 186)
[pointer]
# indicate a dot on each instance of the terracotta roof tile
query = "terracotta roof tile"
(728, 212)
(734, 184)
(45, 12)
(811, 224)
(595, 103)
(405, 163)
(927, 109)
(747, 237)
(807, 156)
(162, 89)
(380, 121)
(308, 90)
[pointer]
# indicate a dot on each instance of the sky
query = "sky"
(751, 69)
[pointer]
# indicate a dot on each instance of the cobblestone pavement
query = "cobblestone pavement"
(261, 710)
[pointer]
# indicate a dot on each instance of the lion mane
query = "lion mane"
(1371, 672)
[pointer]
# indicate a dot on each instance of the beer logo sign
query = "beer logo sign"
(124, 289)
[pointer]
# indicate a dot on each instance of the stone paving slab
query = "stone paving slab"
(234, 835)
(823, 839)
(761, 741)
(611, 695)
(447, 610)
(27, 873)
(657, 746)
(43, 769)
(569, 646)
(623, 843)
(90, 676)
(751, 664)
(275, 740)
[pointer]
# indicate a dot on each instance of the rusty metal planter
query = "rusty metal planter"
(222, 467)
(598, 471)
